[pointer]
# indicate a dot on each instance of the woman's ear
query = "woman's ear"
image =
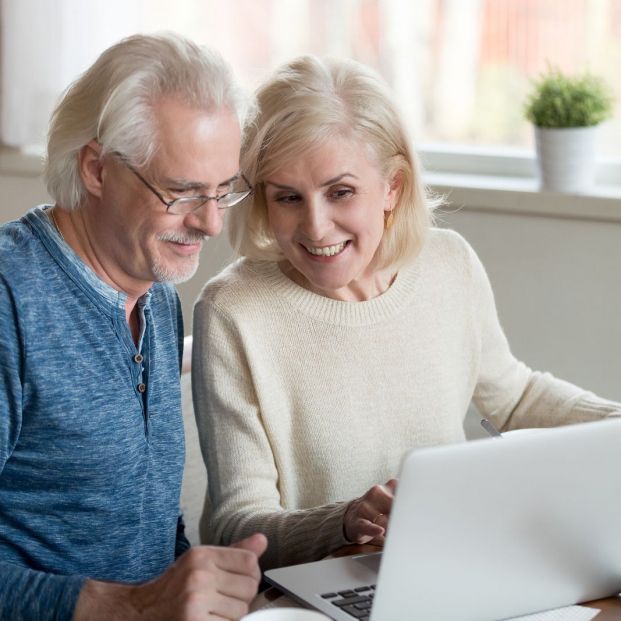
(395, 184)
(91, 168)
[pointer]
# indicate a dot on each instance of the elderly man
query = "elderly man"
(143, 158)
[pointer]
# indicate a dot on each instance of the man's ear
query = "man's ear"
(91, 169)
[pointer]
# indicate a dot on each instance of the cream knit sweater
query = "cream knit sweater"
(304, 402)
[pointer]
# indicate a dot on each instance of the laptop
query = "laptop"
(485, 530)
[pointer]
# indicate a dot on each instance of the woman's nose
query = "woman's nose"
(317, 221)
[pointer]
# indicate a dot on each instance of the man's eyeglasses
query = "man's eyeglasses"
(183, 205)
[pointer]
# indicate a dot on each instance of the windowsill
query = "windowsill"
(522, 196)
(471, 192)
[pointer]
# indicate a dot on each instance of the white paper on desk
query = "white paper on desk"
(569, 613)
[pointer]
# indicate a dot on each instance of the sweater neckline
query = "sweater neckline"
(339, 312)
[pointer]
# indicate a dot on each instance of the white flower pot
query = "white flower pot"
(566, 158)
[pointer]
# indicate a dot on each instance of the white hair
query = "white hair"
(306, 102)
(113, 102)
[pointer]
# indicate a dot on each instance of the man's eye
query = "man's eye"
(181, 191)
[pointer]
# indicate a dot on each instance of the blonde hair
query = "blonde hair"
(306, 102)
(113, 101)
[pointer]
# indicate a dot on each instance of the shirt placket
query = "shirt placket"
(141, 357)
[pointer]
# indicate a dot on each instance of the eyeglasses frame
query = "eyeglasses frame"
(170, 203)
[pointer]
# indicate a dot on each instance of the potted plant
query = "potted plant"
(566, 112)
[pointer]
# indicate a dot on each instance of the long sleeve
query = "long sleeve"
(304, 402)
(90, 463)
(10, 382)
(24, 594)
(510, 392)
(243, 485)
(30, 595)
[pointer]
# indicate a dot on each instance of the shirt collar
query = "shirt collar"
(103, 294)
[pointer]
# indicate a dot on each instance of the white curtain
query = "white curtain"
(46, 44)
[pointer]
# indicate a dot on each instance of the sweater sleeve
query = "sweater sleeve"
(24, 594)
(508, 391)
(243, 495)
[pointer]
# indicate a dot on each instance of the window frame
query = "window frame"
(502, 163)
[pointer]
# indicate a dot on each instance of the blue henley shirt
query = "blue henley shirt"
(91, 433)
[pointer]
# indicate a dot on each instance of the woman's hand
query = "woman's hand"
(366, 517)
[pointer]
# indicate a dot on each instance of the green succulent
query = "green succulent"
(559, 100)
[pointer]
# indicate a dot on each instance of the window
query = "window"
(460, 69)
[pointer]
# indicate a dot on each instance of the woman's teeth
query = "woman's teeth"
(326, 251)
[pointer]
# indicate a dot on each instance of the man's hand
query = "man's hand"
(366, 518)
(206, 583)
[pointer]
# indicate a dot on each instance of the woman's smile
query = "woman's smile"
(326, 210)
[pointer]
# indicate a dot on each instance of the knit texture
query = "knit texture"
(91, 434)
(304, 402)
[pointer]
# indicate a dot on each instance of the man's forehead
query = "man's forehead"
(196, 146)
(176, 118)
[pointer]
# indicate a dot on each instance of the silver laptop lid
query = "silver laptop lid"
(498, 528)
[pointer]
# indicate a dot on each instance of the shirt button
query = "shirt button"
(142, 387)
(138, 358)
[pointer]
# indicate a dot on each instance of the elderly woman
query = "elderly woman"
(351, 330)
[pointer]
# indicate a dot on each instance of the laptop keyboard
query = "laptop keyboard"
(356, 602)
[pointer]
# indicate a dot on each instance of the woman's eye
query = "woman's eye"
(286, 199)
(226, 189)
(341, 193)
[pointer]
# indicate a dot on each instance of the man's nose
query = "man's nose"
(208, 218)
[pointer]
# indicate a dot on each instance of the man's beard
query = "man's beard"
(188, 267)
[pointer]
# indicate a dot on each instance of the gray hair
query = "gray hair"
(113, 102)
